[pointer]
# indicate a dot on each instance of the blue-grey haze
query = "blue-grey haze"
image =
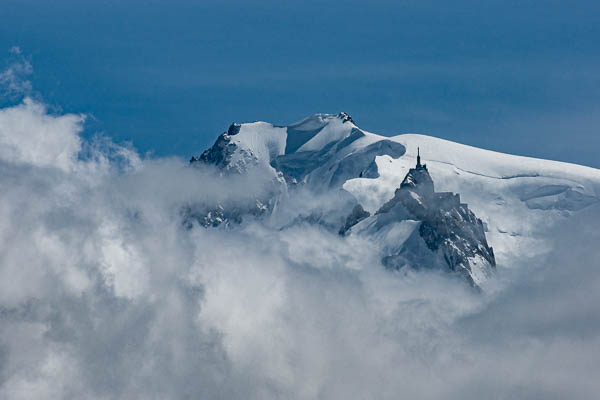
(513, 76)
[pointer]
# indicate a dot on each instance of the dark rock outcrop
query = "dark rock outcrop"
(358, 214)
(222, 152)
(448, 227)
(449, 235)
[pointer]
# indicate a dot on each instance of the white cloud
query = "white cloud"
(104, 294)
(28, 134)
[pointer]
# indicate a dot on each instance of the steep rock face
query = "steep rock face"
(235, 152)
(358, 214)
(448, 234)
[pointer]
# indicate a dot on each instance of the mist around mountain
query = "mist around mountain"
(393, 203)
(314, 260)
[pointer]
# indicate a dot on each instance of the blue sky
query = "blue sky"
(514, 76)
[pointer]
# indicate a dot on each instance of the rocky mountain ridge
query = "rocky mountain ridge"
(512, 200)
(448, 235)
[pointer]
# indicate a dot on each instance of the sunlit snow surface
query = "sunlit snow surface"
(493, 185)
(518, 198)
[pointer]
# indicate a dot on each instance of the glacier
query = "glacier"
(508, 201)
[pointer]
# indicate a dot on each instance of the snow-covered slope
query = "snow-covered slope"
(262, 143)
(517, 198)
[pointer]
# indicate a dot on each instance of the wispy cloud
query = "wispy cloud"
(14, 82)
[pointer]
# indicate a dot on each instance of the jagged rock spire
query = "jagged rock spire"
(449, 234)
(345, 117)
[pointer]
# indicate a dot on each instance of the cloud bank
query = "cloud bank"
(105, 294)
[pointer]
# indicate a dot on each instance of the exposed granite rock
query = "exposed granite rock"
(449, 235)
(358, 214)
(223, 152)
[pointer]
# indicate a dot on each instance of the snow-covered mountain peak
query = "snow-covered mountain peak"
(517, 198)
(345, 117)
(261, 142)
(318, 130)
(319, 120)
(422, 228)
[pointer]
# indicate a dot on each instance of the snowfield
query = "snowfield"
(518, 198)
